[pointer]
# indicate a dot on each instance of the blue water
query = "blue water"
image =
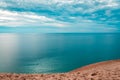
(53, 53)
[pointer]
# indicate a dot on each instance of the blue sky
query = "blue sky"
(60, 15)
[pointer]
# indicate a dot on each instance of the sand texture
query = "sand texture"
(109, 70)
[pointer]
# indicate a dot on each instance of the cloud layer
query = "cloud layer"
(77, 14)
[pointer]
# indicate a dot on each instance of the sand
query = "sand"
(108, 70)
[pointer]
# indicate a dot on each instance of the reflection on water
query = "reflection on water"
(8, 49)
(48, 53)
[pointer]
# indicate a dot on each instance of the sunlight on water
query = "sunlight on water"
(8, 49)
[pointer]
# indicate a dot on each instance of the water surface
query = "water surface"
(53, 53)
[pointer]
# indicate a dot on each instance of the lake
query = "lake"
(55, 53)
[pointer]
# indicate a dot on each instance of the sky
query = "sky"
(60, 16)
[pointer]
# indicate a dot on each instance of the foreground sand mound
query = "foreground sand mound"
(109, 70)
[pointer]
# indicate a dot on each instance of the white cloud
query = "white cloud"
(15, 19)
(3, 4)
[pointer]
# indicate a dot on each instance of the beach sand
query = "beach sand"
(108, 70)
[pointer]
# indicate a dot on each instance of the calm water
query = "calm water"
(51, 53)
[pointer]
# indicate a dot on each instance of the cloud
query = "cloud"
(15, 19)
(60, 13)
